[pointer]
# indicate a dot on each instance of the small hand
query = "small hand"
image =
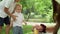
(14, 17)
(25, 23)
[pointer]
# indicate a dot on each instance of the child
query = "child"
(17, 24)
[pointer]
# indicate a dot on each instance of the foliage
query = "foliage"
(38, 7)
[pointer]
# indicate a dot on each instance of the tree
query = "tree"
(38, 7)
(56, 10)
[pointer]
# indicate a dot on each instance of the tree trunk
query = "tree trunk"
(56, 18)
(54, 9)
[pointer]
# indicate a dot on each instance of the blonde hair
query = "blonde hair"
(16, 6)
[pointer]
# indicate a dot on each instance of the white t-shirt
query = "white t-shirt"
(6, 3)
(19, 19)
(58, 1)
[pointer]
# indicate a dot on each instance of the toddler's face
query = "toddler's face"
(18, 9)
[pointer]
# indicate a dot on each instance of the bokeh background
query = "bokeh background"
(35, 11)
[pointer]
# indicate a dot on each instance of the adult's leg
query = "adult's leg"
(1, 24)
(0, 29)
(7, 29)
(7, 22)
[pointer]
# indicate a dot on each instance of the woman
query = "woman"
(42, 29)
(39, 29)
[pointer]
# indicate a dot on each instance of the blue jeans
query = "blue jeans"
(17, 30)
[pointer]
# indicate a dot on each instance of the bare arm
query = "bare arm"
(11, 24)
(6, 10)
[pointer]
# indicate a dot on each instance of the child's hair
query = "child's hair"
(16, 6)
(44, 28)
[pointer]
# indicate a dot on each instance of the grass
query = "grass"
(26, 29)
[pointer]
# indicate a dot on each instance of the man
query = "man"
(6, 9)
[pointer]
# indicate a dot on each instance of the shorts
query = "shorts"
(17, 30)
(4, 21)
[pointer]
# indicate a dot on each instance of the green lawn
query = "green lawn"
(26, 29)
